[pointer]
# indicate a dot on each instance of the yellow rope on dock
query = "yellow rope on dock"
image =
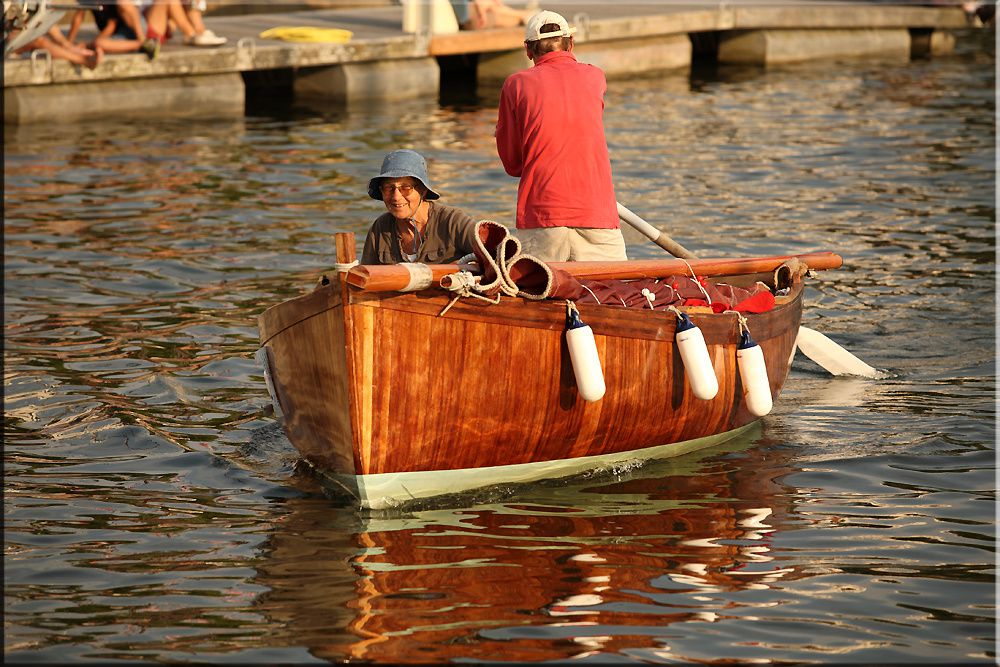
(308, 34)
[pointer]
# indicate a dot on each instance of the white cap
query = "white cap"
(533, 30)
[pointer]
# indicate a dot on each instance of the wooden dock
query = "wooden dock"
(383, 62)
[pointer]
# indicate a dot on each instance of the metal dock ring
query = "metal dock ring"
(247, 44)
(34, 60)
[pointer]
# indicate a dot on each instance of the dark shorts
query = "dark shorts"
(122, 31)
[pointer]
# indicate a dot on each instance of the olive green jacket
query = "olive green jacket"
(448, 236)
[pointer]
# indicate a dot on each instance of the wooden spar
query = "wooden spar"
(661, 268)
(396, 277)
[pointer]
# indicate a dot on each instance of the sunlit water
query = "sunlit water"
(153, 509)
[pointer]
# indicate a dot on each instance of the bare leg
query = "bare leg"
(57, 37)
(180, 18)
(131, 17)
(195, 17)
(108, 44)
(91, 59)
(495, 14)
(156, 19)
(192, 12)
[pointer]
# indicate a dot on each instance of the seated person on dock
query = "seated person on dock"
(128, 27)
(59, 47)
(194, 9)
(415, 227)
(480, 14)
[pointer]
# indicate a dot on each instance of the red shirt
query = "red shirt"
(550, 133)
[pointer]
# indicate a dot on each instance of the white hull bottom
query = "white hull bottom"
(389, 490)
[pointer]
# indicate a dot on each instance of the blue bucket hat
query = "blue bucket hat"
(401, 163)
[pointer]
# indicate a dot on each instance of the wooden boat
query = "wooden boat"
(392, 401)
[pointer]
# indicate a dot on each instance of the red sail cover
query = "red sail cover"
(676, 291)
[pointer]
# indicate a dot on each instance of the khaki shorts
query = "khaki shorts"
(573, 244)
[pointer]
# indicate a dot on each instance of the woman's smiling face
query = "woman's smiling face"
(401, 196)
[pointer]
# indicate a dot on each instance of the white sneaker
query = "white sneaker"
(207, 38)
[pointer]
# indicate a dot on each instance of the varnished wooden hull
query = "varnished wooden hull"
(393, 401)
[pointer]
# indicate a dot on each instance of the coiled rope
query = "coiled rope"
(462, 284)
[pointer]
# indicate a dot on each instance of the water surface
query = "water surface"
(154, 510)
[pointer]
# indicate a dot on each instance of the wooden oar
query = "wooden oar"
(653, 234)
(831, 357)
(403, 277)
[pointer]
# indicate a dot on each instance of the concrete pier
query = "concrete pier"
(383, 62)
(389, 80)
(774, 47)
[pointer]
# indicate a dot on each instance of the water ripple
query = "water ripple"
(154, 510)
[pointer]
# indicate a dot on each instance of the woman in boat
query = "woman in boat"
(415, 228)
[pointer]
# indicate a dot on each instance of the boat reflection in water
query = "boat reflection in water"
(589, 567)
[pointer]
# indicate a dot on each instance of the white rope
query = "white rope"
(650, 297)
(591, 293)
(345, 267)
(464, 283)
(697, 282)
(418, 238)
(742, 320)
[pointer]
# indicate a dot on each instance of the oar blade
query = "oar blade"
(832, 357)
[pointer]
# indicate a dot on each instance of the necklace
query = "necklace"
(418, 237)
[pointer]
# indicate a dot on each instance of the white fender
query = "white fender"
(586, 362)
(753, 373)
(697, 364)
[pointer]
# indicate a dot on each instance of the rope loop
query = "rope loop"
(344, 267)
(464, 284)
(742, 320)
(697, 282)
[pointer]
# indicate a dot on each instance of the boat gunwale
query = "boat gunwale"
(288, 313)
(549, 314)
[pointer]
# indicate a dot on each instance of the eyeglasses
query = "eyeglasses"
(404, 189)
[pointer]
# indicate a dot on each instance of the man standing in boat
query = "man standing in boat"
(550, 134)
